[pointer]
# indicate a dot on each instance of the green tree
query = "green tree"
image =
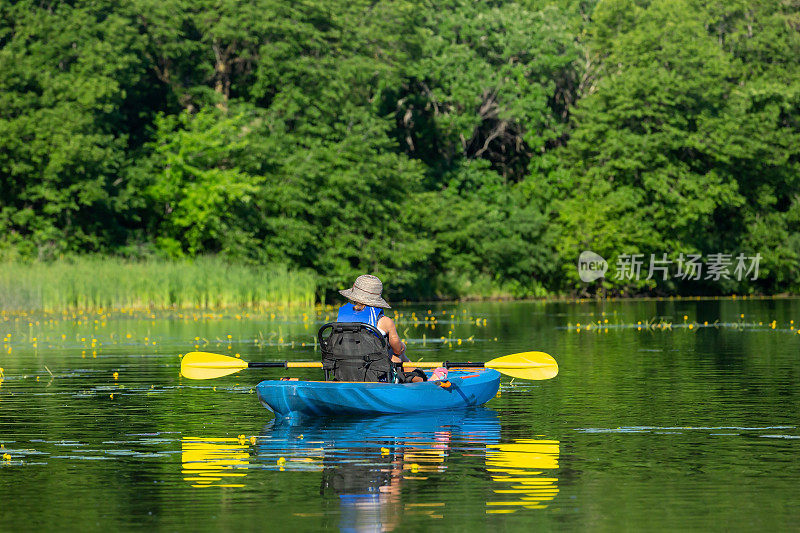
(490, 81)
(69, 75)
(233, 182)
(643, 172)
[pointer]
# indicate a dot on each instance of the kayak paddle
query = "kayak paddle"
(526, 365)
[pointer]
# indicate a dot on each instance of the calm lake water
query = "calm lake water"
(654, 422)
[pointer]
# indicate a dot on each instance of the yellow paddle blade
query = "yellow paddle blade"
(204, 365)
(525, 365)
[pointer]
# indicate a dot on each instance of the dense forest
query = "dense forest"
(454, 148)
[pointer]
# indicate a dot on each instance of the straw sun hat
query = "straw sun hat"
(366, 290)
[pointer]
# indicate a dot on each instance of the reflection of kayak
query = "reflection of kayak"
(315, 398)
(476, 425)
(306, 442)
(365, 462)
(313, 443)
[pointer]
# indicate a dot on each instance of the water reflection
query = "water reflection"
(365, 463)
(527, 468)
(211, 462)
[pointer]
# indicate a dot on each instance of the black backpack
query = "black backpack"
(352, 351)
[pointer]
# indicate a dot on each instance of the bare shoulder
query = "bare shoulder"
(385, 323)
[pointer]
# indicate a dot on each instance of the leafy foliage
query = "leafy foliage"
(457, 149)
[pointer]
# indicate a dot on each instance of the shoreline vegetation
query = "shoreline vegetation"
(457, 150)
(95, 282)
(111, 283)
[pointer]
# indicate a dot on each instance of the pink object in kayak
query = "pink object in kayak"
(439, 374)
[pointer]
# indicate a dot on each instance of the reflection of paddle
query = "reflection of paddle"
(526, 365)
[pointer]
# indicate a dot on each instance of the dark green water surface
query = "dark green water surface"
(655, 422)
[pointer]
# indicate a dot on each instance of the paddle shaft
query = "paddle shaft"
(311, 364)
(446, 364)
(284, 364)
(489, 364)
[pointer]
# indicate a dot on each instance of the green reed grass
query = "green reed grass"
(112, 283)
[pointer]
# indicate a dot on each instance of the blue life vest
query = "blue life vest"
(368, 315)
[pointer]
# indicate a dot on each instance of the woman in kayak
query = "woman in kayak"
(366, 306)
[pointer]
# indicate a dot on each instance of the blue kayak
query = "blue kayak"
(325, 398)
